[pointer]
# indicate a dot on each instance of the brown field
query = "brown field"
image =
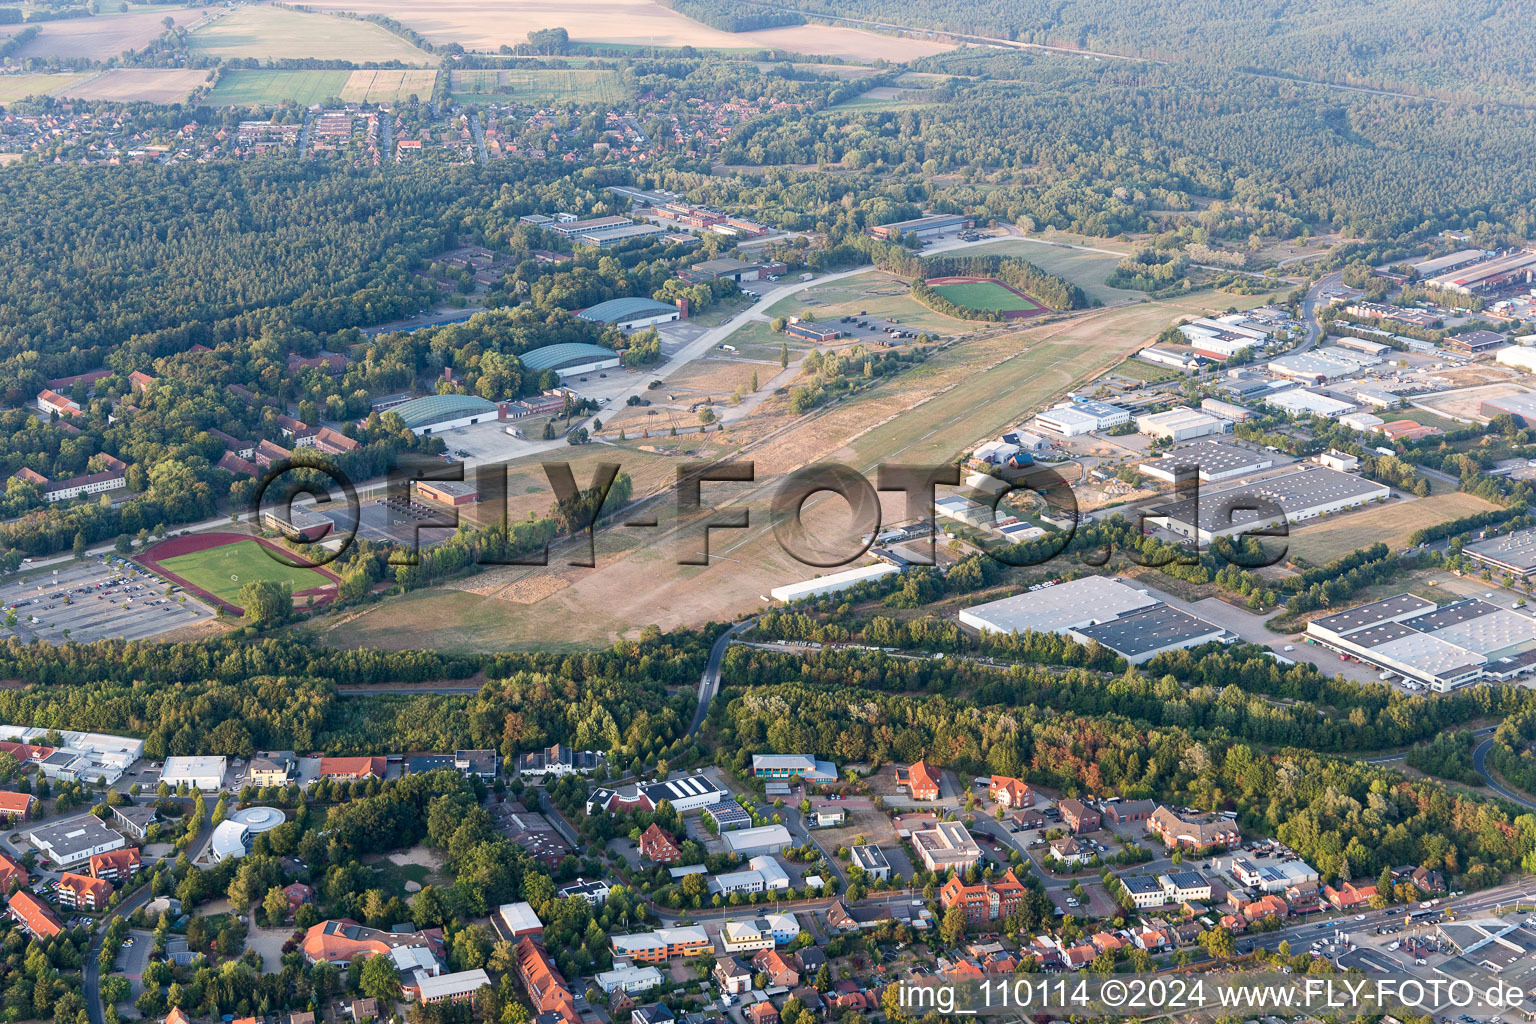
(1391, 524)
(1464, 405)
(487, 24)
(388, 86)
(101, 37)
(149, 85)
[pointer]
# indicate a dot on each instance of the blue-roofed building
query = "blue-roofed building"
(630, 314)
(437, 413)
(570, 359)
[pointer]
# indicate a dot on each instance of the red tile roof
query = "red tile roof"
(352, 767)
(16, 803)
(34, 915)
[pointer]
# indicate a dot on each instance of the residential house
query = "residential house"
(762, 1013)
(733, 976)
(656, 845)
(919, 780)
(82, 892)
(1349, 895)
(33, 915)
(1011, 793)
(1078, 816)
(298, 894)
(1070, 852)
(11, 874)
(117, 865)
(777, 967)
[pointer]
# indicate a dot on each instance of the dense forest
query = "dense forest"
(1434, 47)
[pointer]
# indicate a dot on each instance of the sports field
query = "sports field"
(251, 87)
(220, 570)
(276, 33)
(578, 85)
(985, 293)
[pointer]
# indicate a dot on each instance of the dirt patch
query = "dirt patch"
(514, 584)
(1466, 405)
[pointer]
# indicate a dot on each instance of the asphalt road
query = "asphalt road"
(1327, 283)
(1480, 765)
(709, 682)
(92, 971)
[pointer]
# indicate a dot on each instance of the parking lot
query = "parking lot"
(105, 598)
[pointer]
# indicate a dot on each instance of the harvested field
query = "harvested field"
(147, 85)
(388, 86)
(275, 33)
(99, 38)
(486, 25)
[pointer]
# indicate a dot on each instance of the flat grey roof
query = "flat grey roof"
(1054, 609)
(869, 856)
(1150, 629)
(1294, 494)
(1451, 614)
(1376, 611)
(1513, 549)
(72, 835)
(1211, 458)
(1381, 633)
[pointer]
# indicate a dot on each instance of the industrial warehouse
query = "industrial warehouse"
(1441, 648)
(1097, 609)
(1308, 494)
(1211, 460)
(1513, 553)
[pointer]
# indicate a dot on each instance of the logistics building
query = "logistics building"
(833, 583)
(1097, 609)
(1082, 417)
(1313, 492)
(1441, 647)
(1212, 459)
(1512, 553)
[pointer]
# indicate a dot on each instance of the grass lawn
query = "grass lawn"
(275, 33)
(1391, 523)
(222, 571)
(1149, 372)
(985, 295)
(578, 85)
(875, 293)
(255, 88)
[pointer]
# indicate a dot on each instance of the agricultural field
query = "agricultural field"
(270, 88)
(19, 87)
(274, 33)
(128, 85)
(578, 85)
(100, 38)
(386, 86)
(488, 24)
(221, 571)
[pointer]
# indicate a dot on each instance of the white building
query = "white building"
(74, 840)
(1144, 890)
(630, 978)
(1517, 356)
(519, 919)
(1180, 424)
(754, 841)
(204, 773)
(1301, 402)
(745, 937)
(448, 988)
(833, 583)
(1185, 886)
(1081, 417)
